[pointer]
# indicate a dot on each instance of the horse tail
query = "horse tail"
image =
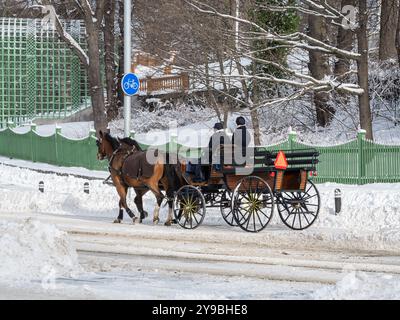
(172, 178)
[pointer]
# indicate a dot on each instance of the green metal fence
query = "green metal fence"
(356, 162)
(40, 77)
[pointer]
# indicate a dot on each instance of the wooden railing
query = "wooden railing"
(174, 83)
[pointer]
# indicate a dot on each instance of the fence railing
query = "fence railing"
(359, 161)
(173, 83)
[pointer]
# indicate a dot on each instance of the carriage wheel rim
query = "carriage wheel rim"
(189, 207)
(255, 212)
(302, 213)
(226, 212)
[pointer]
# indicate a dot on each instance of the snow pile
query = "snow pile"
(369, 208)
(32, 250)
(361, 286)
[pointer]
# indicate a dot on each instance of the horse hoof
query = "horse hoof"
(134, 220)
(168, 223)
(156, 221)
(117, 221)
(144, 215)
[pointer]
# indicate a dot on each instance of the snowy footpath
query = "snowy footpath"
(62, 244)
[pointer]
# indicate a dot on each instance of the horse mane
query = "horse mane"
(114, 142)
(131, 142)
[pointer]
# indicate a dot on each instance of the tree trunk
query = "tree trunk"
(362, 36)
(109, 59)
(95, 83)
(389, 17)
(398, 34)
(120, 93)
(344, 42)
(319, 68)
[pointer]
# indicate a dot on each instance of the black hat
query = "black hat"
(218, 126)
(240, 121)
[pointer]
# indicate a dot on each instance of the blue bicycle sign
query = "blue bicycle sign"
(130, 84)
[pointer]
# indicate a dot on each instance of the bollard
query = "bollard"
(338, 201)
(41, 186)
(86, 187)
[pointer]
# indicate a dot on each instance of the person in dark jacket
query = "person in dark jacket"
(241, 137)
(216, 140)
(216, 143)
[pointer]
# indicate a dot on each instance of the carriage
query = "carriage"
(248, 196)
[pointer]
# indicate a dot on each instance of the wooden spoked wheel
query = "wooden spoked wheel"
(189, 207)
(252, 204)
(226, 209)
(299, 210)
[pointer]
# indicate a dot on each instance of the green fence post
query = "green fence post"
(10, 125)
(57, 142)
(91, 144)
(292, 138)
(33, 135)
(361, 163)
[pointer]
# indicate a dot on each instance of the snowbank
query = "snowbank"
(370, 208)
(32, 250)
(361, 286)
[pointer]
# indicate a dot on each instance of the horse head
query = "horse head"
(106, 145)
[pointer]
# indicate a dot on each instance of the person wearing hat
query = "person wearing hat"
(241, 136)
(217, 140)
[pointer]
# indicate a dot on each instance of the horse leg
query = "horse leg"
(139, 203)
(153, 186)
(170, 196)
(170, 219)
(122, 191)
(156, 213)
(121, 213)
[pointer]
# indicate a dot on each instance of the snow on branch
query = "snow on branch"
(66, 37)
(296, 40)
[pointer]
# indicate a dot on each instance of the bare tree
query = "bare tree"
(345, 40)
(398, 35)
(389, 21)
(109, 59)
(362, 62)
(93, 18)
(301, 83)
(319, 68)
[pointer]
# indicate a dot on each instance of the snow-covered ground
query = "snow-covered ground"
(61, 244)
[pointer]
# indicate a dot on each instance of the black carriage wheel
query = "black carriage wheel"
(189, 207)
(299, 210)
(226, 209)
(252, 204)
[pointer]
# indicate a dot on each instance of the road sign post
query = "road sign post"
(127, 62)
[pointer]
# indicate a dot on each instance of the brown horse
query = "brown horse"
(116, 151)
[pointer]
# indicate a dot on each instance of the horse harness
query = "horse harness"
(120, 173)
